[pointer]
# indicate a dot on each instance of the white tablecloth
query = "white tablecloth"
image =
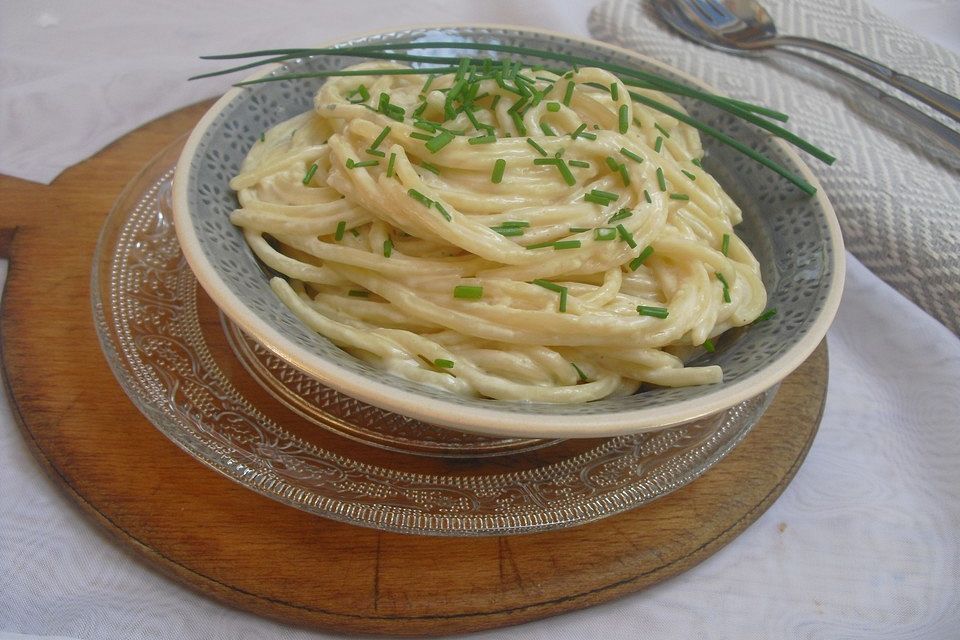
(865, 543)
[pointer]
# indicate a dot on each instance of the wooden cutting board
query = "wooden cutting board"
(253, 553)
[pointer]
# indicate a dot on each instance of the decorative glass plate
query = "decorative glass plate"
(167, 347)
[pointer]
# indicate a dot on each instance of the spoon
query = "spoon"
(745, 27)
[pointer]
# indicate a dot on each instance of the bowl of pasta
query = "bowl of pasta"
(509, 232)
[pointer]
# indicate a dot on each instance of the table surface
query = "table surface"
(864, 543)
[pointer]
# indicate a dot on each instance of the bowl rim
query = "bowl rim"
(493, 421)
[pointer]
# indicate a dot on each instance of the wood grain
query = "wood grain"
(256, 554)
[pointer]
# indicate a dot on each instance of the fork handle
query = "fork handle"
(943, 102)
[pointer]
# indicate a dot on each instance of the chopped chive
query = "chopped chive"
(614, 91)
(380, 138)
(566, 244)
(429, 167)
(512, 224)
(387, 248)
(709, 346)
(553, 107)
(658, 144)
(426, 125)
(540, 245)
(624, 175)
(498, 168)
(640, 259)
(419, 197)
(620, 215)
(354, 233)
(442, 363)
(626, 236)
(578, 229)
(562, 307)
(600, 197)
(419, 110)
(546, 284)
(568, 93)
(540, 161)
(679, 196)
(533, 143)
(612, 163)
(630, 154)
(467, 292)
(653, 312)
(426, 84)
(726, 286)
(493, 103)
(350, 162)
(547, 129)
(508, 231)
(624, 118)
(646, 196)
(578, 131)
(263, 136)
(376, 152)
(604, 234)
(341, 228)
(766, 315)
(365, 163)
(487, 139)
(309, 175)
(421, 136)
(697, 162)
(565, 173)
(579, 163)
(443, 212)
(661, 181)
(656, 125)
(725, 244)
(588, 135)
(688, 174)
(390, 163)
(580, 373)
(518, 123)
(439, 142)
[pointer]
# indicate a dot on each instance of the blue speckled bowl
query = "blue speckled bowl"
(796, 239)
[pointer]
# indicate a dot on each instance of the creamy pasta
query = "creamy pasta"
(531, 236)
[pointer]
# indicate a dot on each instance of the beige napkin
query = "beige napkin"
(898, 204)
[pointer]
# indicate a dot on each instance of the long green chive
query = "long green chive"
(661, 181)
(692, 176)
(380, 138)
(419, 197)
(640, 259)
(580, 374)
(439, 142)
(482, 139)
(430, 167)
(653, 312)
(543, 161)
(508, 231)
(614, 91)
(626, 236)
(358, 293)
(646, 196)
(365, 163)
(426, 84)
(512, 224)
(630, 154)
(467, 292)
(604, 233)
(620, 215)
(390, 164)
(446, 215)
(766, 315)
(309, 175)
(387, 248)
(498, 168)
(725, 244)
(579, 163)
(624, 119)
(568, 93)
(658, 144)
(726, 286)
(565, 173)
(679, 196)
(442, 363)
(341, 228)
(518, 123)
(553, 286)
(533, 143)
(547, 129)
(656, 125)
(709, 346)
(566, 244)
(553, 107)
(376, 152)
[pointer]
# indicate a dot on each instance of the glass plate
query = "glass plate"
(174, 360)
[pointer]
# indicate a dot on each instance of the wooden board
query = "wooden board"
(256, 554)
